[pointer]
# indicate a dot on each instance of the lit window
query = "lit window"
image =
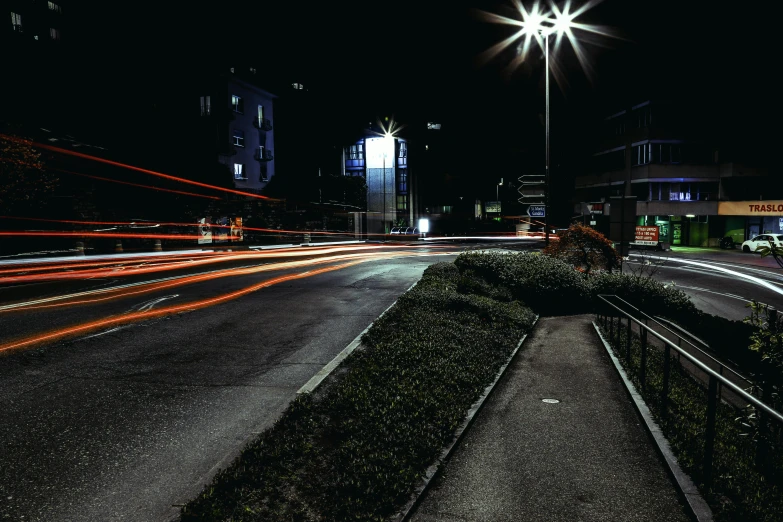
(426, 147)
(402, 202)
(54, 34)
(231, 69)
(54, 7)
(253, 70)
(239, 138)
(260, 115)
(206, 106)
(16, 21)
(403, 149)
(239, 171)
(237, 104)
(297, 86)
(402, 181)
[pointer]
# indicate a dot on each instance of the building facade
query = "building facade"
(236, 125)
(383, 162)
(661, 153)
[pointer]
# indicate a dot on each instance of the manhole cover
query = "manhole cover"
(550, 401)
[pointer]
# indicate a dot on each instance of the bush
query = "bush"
(355, 449)
(549, 286)
(585, 248)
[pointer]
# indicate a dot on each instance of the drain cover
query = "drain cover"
(550, 401)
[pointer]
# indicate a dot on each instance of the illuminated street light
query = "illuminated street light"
(539, 25)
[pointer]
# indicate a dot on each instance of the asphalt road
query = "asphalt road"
(129, 420)
(126, 424)
(720, 283)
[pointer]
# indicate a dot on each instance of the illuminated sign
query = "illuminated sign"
(433, 126)
(750, 208)
(236, 233)
(536, 211)
(380, 152)
(646, 236)
(424, 225)
(595, 208)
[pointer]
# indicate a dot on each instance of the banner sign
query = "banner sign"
(646, 236)
(750, 208)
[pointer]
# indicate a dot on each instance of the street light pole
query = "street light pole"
(546, 178)
(384, 192)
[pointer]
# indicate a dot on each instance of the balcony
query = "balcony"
(264, 124)
(263, 154)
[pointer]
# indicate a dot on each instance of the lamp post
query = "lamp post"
(385, 229)
(539, 24)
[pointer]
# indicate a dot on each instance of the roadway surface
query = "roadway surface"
(718, 282)
(130, 416)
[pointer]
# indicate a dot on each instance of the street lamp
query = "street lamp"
(539, 25)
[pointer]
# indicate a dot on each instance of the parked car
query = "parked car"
(727, 243)
(767, 240)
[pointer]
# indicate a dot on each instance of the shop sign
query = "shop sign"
(646, 236)
(750, 208)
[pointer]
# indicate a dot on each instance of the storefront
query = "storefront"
(745, 219)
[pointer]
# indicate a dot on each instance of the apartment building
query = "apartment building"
(663, 154)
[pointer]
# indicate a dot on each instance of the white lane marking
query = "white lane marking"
(147, 305)
(104, 333)
(711, 272)
(747, 277)
(712, 292)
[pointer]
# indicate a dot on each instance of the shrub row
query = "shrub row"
(738, 492)
(355, 449)
(552, 287)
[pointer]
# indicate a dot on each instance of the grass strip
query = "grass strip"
(739, 492)
(355, 449)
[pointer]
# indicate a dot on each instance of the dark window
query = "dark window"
(640, 154)
(402, 181)
(239, 138)
(206, 106)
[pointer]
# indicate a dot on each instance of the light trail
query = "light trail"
(169, 310)
(139, 185)
(75, 273)
(131, 167)
(194, 225)
(125, 292)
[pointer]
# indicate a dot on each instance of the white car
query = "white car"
(767, 240)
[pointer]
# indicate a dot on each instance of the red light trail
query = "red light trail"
(131, 167)
(169, 310)
(139, 185)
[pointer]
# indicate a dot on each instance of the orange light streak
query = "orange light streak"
(169, 310)
(130, 167)
(198, 278)
(139, 185)
(177, 264)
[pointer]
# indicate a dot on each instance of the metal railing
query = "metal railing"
(715, 378)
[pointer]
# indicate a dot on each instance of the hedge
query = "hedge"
(355, 449)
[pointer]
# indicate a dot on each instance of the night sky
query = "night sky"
(419, 61)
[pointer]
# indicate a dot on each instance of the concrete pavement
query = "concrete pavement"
(586, 457)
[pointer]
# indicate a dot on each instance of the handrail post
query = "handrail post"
(628, 339)
(611, 327)
(667, 364)
(709, 434)
(643, 362)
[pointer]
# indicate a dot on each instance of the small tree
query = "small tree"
(585, 248)
(23, 180)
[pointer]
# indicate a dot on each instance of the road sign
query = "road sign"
(536, 211)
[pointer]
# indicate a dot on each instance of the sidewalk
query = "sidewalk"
(585, 458)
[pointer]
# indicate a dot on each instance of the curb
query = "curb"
(324, 372)
(697, 507)
(432, 472)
